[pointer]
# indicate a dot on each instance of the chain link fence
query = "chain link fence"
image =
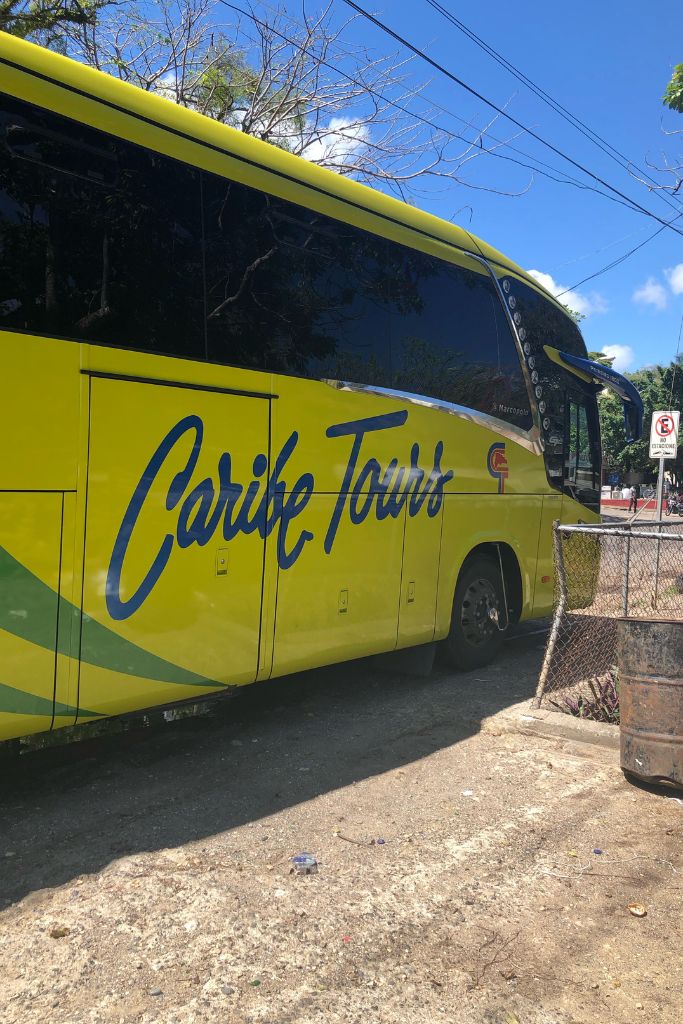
(603, 573)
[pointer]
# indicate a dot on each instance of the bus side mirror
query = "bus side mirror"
(633, 422)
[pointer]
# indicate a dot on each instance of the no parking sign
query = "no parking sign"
(664, 435)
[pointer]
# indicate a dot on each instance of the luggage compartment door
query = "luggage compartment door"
(30, 548)
(171, 605)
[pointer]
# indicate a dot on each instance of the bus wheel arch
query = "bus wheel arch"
(487, 598)
(512, 576)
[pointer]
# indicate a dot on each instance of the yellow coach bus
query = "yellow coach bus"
(255, 417)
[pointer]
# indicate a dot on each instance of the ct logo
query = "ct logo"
(497, 464)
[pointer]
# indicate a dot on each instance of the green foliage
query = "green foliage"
(574, 314)
(600, 357)
(673, 97)
(224, 82)
(225, 86)
(43, 20)
(601, 704)
(661, 387)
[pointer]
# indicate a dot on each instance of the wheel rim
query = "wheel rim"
(478, 601)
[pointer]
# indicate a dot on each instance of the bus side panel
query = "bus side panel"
(30, 540)
(470, 520)
(38, 413)
(544, 593)
(370, 457)
(341, 605)
(171, 607)
(419, 579)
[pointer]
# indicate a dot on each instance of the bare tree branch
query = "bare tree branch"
(672, 169)
(301, 84)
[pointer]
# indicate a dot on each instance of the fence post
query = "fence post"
(627, 562)
(658, 545)
(559, 612)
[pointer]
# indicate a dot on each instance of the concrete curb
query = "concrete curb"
(522, 718)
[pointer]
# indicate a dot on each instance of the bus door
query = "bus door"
(174, 558)
(343, 603)
(581, 475)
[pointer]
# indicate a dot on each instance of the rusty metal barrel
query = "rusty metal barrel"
(650, 661)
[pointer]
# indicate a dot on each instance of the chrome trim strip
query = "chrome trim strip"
(527, 439)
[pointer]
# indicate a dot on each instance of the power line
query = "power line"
(619, 158)
(565, 179)
(620, 259)
(673, 376)
(596, 252)
(611, 151)
(489, 103)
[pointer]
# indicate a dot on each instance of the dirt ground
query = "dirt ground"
(145, 877)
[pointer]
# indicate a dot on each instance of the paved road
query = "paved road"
(644, 515)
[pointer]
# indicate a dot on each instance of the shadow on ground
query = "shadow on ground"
(70, 810)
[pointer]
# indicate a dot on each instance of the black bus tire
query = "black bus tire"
(475, 638)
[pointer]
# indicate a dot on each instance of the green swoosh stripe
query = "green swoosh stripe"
(19, 702)
(28, 608)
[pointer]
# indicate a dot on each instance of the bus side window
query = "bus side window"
(100, 240)
(51, 224)
(154, 234)
(451, 340)
(292, 291)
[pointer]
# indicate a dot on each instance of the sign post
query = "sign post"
(663, 445)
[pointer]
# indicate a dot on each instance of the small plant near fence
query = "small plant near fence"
(600, 704)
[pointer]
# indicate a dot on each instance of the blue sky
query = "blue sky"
(609, 64)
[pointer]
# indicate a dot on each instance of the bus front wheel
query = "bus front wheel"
(478, 615)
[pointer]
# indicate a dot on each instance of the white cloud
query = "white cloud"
(340, 141)
(623, 356)
(674, 276)
(652, 293)
(582, 303)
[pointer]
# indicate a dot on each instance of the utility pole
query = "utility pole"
(660, 490)
(663, 445)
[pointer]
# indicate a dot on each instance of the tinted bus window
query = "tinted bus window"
(99, 240)
(451, 340)
(542, 324)
(104, 241)
(293, 291)
(290, 291)
(582, 453)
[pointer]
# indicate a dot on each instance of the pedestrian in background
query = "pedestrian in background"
(633, 499)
